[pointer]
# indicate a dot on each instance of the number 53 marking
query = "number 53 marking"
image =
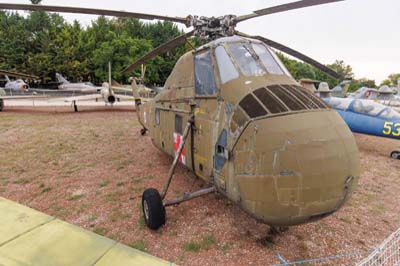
(390, 128)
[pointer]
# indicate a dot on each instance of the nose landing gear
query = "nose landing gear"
(395, 154)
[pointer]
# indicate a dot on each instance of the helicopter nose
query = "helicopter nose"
(296, 168)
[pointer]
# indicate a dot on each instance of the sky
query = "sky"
(363, 33)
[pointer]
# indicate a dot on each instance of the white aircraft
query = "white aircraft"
(17, 85)
(105, 93)
(80, 87)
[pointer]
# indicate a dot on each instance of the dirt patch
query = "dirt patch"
(91, 168)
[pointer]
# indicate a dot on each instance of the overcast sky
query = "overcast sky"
(363, 33)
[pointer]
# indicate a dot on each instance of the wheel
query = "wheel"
(143, 131)
(153, 208)
(1, 105)
(395, 154)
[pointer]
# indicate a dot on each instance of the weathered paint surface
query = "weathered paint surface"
(297, 169)
(284, 168)
(28, 237)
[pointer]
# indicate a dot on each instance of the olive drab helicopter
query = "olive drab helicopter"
(231, 113)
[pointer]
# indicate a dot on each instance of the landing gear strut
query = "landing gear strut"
(154, 203)
(75, 106)
(395, 154)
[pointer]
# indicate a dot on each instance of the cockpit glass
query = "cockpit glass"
(227, 70)
(389, 113)
(246, 58)
(267, 59)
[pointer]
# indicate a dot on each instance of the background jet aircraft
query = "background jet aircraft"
(368, 117)
(65, 85)
(106, 94)
(16, 85)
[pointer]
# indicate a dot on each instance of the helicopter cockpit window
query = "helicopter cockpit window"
(247, 59)
(227, 70)
(251, 106)
(267, 59)
(204, 75)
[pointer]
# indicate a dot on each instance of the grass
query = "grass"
(100, 231)
(141, 222)
(206, 243)
(4, 181)
(112, 196)
(121, 165)
(192, 246)
(118, 215)
(22, 181)
(137, 180)
(139, 245)
(138, 189)
(47, 189)
(104, 183)
(120, 184)
(378, 209)
(224, 247)
(76, 197)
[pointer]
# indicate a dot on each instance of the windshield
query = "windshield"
(247, 59)
(227, 70)
(267, 59)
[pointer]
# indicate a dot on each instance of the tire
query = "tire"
(143, 131)
(153, 208)
(1, 105)
(395, 154)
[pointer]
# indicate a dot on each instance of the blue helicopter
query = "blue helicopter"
(368, 117)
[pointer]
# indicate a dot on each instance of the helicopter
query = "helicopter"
(232, 114)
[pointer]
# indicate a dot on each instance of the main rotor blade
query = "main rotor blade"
(159, 50)
(284, 7)
(90, 11)
(296, 54)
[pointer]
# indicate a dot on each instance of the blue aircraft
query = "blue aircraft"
(368, 117)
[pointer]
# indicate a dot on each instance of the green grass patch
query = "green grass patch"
(104, 183)
(207, 241)
(100, 231)
(22, 181)
(118, 215)
(76, 197)
(139, 245)
(224, 247)
(192, 246)
(138, 189)
(112, 196)
(47, 189)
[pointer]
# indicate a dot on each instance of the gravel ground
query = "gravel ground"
(91, 168)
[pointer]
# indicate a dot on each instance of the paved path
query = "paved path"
(29, 237)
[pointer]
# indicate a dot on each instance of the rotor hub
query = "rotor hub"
(213, 27)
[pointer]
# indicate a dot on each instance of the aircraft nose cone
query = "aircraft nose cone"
(296, 168)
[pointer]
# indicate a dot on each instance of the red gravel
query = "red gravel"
(91, 168)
